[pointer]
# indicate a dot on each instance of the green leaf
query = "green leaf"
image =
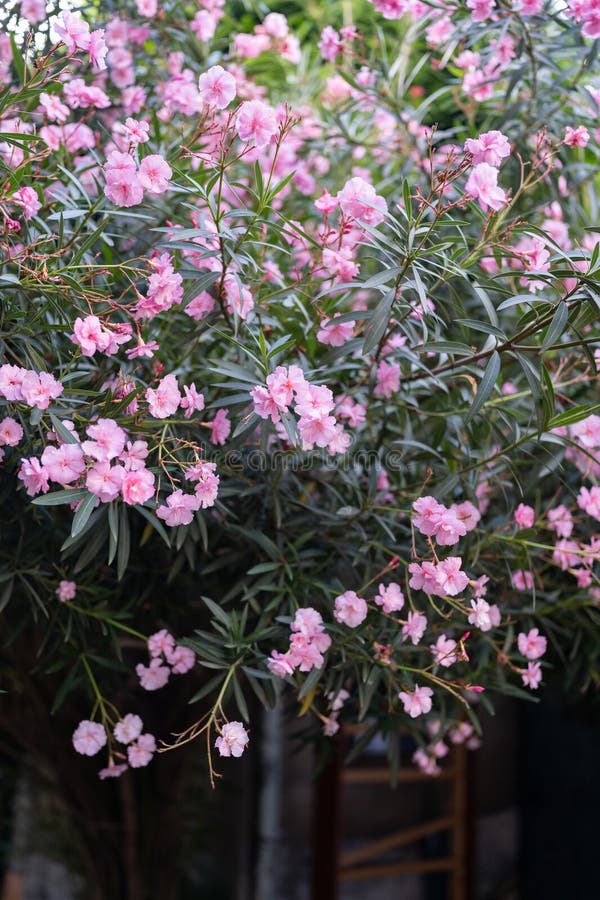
(486, 385)
(379, 322)
(84, 511)
(557, 325)
(58, 498)
(66, 436)
(124, 543)
(18, 61)
(217, 611)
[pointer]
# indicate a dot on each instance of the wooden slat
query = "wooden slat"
(381, 775)
(406, 867)
(398, 839)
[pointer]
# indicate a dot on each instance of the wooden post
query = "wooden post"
(326, 829)
(460, 831)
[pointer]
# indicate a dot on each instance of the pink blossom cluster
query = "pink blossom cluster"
(312, 403)
(487, 151)
(331, 725)
(440, 579)
(140, 747)
(532, 645)
(308, 643)
(75, 34)
(126, 182)
(271, 35)
(165, 288)
(446, 524)
(35, 389)
(333, 43)
(588, 13)
(92, 336)
(166, 658)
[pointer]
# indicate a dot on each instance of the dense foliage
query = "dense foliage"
(298, 322)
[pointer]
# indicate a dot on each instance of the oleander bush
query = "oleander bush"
(298, 330)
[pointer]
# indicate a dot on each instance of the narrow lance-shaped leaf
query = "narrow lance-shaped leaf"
(486, 385)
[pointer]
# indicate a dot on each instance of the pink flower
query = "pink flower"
(128, 729)
(264, 404)
(524, 516)
(588, 499)
(533, 644)
(415, 627)
(522, 580)
(481, 9)
(154, 174)
(97, 50)
(200, 306)
(256, 122)
(314, 401)
(179, 510)
(33, 10)
(560, 521)
(181, 659)
(140, 753)
(63, 464)
(114, 770)
(468, 514)
(319, 431)
(417, 702)
(482, 185)
(335, 334)
(358, 200)
(532, 675)
(161, 642)
(108, 440)
(10, 432)
(28, 199)
(444, 651)
(390, 597)
(350, 609)
(220, 427)
(11, 380)
(428, 511)
(89, 737)
(137, 130)
(105, 481)
(123, 187)
(280, 664)
(576, 137)
(449, 528)
(192, 402)
(147, 8)
(217, 87)
(137, 486)
(89, 335)
(483, 615)
(34, 476)
(491, 147)
(207, 483)
(165, 399)
(66, 590)
(451, 579)
(39, 388)
(154, 676)
(232, 740)
(388, 379)
(566, 554)
(73, 32)
(134, 455)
